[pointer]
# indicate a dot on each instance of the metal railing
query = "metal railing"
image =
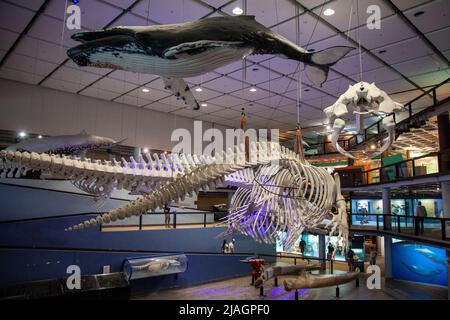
(375, 130)
(425, 227)
(434, 163)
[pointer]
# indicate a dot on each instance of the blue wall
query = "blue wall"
(23, 265)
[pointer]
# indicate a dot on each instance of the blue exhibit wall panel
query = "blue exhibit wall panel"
(91, 249)
(419, 263)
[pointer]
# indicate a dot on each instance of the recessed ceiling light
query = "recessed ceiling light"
(306, 90)
(204, 105)
(382, 51)
(311, 50)
(22, 134)
(238, 11)
(328, 12)
(328, 127)
(373, 147)
(145, 90)
(198, 89)
(252, 90)
(418, 13)
(145, 150)
(39, 137)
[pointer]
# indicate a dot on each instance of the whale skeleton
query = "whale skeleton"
(279, 194)
(308, 281)
(178, 51)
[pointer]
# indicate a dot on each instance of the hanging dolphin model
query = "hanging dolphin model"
(63, 144)
(178, 51)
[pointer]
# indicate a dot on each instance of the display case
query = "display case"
(153, 266)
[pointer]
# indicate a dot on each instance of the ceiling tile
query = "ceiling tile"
(350, 65)
(403, 50)
(133, 101)
(227, 101)
(14, 18)
(7, 39)
(75, 75)
(227, 114)
(436, 16)
(43, 50)
(440, 38)
(153, 94)
(251, 107)
(381, 37)
(114, 85)
(19, 75)
(421, 65)
(224, 84)
(99, 93)
(162, 107)
(132, 77)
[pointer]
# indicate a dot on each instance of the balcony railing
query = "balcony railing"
(430, 164)
(426, 227)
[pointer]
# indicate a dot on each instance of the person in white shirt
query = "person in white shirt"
(231, 246)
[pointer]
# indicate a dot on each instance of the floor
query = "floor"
(240, 289)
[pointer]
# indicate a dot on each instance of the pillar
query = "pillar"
(322, 250)
(386, 207)
(387, 257)
(443, 121)
(448, 273)
(445, 190)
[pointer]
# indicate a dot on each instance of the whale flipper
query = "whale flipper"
(317, 69)
(181, 90)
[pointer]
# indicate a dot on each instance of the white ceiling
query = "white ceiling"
(409, 63)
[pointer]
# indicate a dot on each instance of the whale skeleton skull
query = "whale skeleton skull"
(279, 194)
(367, 99)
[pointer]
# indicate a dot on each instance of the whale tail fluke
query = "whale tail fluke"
(317, 68)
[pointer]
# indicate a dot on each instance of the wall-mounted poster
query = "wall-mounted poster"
(419, 263)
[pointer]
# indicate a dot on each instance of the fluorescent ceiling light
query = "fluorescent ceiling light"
(145, 90)
(238, 11)
(328, 12)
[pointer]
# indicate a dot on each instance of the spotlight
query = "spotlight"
(373, 147)
(204, 105)
(238, 11)
(22, 134)
(39, 137)
(199, 89)
(145, 90)
(252, 90)
(328, 127)
(328, 12)
(145, 150)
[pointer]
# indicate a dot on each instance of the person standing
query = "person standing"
(231, 246)
(373, 257)
(421, 213)
(350, 259)
(224, 248)
(167, 215)
(302, 246)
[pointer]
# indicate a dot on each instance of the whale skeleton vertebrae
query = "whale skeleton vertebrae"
(279, 194)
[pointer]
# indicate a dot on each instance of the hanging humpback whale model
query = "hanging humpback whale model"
(67, 144)
(178, 51)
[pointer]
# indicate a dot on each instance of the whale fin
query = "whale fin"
(181, 90)
(317, 68)
(316, 74)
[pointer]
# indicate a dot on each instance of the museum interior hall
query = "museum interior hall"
(225, 150)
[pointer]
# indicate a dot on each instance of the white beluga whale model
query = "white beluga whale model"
(366, 99)
(178, 51)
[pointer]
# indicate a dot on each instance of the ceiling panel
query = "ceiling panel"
(59, 84)
(403, 50)
(76, 76)
(251, 107)
(381, 37)
(436, 15)
(132, 100)
(7, 39)
(121, 3)
(210, 118)
(152, 95)
(440, 38)
(421, 65)
(267, 13)
(350, 65)
(171, 11)
(132, 77)
(29, 65)
(40, 49)
(227, 114)
(33, 4)
(254, 74)
(279, 85)
(246, 94)
(341, 19)
(379, 75)
(209, 108)
(224, 84)
(430, 79)
(99, 93)
(407, 4)
(18, 75)
(162, 107)
(14, 18)
(227, 101)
